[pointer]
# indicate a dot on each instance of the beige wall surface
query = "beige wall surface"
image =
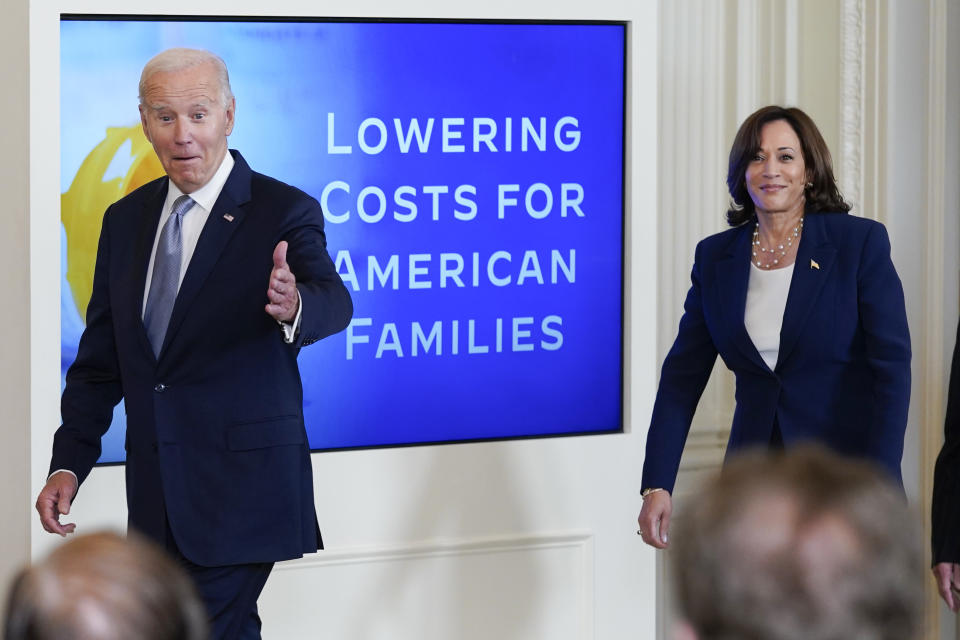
(15, 499)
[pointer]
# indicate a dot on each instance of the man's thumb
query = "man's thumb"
(280, 255)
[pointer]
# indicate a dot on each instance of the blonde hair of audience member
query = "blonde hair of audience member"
(104, 587)
(801, 545)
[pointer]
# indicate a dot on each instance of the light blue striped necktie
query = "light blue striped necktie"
(166, 274)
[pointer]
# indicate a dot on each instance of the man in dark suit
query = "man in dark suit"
(207, 283)
(946, 496)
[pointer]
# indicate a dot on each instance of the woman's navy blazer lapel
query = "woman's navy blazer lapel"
(732, 277)
(816, 257)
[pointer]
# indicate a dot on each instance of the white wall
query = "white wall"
(523, 539)
(15, 499)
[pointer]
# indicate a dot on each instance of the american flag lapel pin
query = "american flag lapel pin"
(813, 264)
(228, 217)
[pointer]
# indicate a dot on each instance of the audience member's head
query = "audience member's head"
(804, 545)
(104, 587)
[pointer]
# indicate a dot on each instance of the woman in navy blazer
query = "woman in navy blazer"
(802, 302)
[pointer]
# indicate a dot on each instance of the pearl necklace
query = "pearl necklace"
(781, 248)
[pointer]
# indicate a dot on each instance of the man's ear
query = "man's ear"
(228, 119)
(683, 631)
(143, 124)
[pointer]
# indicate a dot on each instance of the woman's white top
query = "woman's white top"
(766, 299)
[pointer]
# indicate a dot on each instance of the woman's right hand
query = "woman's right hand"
(654, 518)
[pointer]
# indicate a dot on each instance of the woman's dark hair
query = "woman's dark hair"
(823, 195)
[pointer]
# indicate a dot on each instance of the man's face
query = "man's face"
(184, 118)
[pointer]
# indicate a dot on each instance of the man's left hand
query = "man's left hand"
(947, 575)
(282, 291)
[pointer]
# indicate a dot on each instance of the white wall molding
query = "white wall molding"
(791, 46)
(692, 152)
(768, 54)
(524, 586)
(702, 456)
(695, 103)
(871, 201)
(852, 99)
(748, 55)
(581, 541)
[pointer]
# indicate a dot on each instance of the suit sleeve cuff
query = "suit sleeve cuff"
(63, 471)
(291, 329)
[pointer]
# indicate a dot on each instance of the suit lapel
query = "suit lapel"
(816, 257)
(147, 232)
(733, 276)
(216, 233)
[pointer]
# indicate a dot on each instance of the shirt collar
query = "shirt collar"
(206, 195)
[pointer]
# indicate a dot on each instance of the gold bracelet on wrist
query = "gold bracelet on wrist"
(647, 492)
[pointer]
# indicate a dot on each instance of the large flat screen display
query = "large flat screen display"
(471, 178)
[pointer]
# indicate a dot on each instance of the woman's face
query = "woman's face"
(777, 175)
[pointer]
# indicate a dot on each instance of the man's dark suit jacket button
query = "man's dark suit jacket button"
(160, 388)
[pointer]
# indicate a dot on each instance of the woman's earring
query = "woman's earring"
(809, 185)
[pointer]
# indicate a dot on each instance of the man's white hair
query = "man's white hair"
(179, 59)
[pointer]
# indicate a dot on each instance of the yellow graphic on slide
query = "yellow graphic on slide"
(121, 163)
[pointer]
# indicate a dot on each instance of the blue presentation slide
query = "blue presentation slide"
(471, 178)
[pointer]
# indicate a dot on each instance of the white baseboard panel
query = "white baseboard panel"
(521, 587)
